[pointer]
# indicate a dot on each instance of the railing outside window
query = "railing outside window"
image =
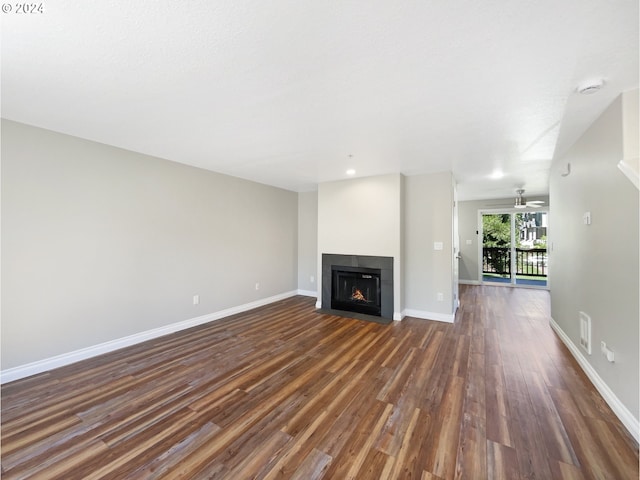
(529, 262)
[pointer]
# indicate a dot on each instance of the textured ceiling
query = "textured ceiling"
(283, 92)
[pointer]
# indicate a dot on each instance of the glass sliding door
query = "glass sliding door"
(531, 248)
(496, 247)
(514, 248)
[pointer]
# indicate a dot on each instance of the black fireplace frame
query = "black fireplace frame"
(384, 264)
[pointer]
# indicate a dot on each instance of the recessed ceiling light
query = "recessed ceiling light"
(497, 174)
(351, 171)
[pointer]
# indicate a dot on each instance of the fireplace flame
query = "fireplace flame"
(357, 295)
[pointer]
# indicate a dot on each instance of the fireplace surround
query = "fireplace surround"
(359, 284)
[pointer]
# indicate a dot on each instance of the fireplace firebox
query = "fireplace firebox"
(360, 286)
(356, 289)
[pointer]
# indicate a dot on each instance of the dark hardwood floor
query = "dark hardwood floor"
(285, 392)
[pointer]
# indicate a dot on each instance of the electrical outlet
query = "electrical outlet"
(440, 297)
(312, 279)
(257, 285)
(607, 352)
(196, 299)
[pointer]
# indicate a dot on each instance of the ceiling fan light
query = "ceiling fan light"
(519, 200)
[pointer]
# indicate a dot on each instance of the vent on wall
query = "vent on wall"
(585, 332)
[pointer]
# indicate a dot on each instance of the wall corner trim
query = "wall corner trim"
(398, 316)
(624, 415)
(44, 365)
(439, 317)
(629, 167)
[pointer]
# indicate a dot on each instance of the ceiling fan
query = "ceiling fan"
(521, 202)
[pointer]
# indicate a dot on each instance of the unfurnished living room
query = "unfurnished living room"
(320, 240)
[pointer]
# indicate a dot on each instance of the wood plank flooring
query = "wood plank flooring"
(286, 392)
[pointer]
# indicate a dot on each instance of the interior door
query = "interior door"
(456, 255)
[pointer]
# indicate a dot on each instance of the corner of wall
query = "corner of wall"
(604, 286)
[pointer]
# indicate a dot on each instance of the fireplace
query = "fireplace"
(358, 284)
(355, 289)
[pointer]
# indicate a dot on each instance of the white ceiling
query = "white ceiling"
(283, 92)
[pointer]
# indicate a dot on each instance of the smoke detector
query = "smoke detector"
(590, 87)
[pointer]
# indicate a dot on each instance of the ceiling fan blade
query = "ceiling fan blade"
(535, 201)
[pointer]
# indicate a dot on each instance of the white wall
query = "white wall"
(467, 228)
(307, 241)
(99, 243)
(428, 203)
(362, 216)
(631, 125)
(595, 268)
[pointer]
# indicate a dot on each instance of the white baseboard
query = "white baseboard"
(440, 317)
(308, 293)
(47, 364)
(319, 304)
(624, 415)
(469, 282)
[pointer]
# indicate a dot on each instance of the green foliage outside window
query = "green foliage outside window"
(496, 230)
